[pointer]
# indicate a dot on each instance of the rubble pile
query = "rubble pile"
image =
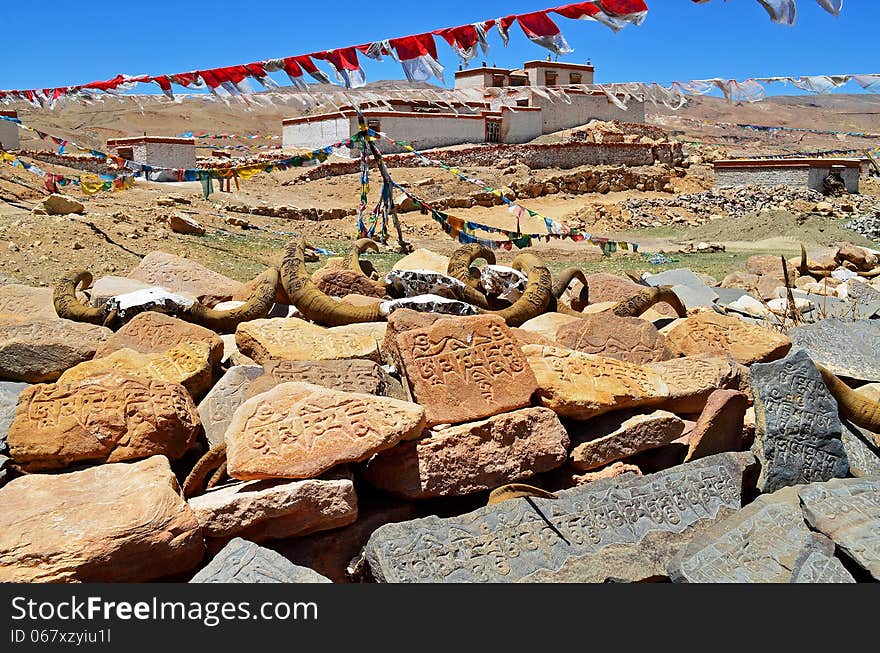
(341, 427)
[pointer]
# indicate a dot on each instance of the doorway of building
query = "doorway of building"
(493, 130)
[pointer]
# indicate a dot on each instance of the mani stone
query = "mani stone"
(472, 457)
(623, 338)
(604, 287)
(548, 324)
(188, 364)
(27, 302)
(231, 355)
(110, 418)
(40, 350)
(346, 375)
(676, 277)
(122, 522)
(151, 332)
(218, 406)
(297, 340)
(695, 296)
(622, 527)
(847, 348)
(107, 287)
(300, 430)
(619, 435)
(862, 452)
(765, 542)
(847, 511)
(465, 368)
(266, 510)
(692, 379)
(339, 283)
(241, 561)
(423, 259)
(797, 439)
(720, 425)
(180, 275)
(9, 394)
(711, 333)
(581, 386)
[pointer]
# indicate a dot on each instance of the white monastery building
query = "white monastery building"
(427, 125)
(157, 151)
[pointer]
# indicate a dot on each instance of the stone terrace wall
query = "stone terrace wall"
(82, 162)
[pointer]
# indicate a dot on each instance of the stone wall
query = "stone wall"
(82, 162)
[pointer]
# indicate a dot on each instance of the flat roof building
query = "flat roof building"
(157, 151)
(798, 173)
(9, 131)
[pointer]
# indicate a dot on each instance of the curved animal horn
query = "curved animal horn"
(516, 490)
(563, 281)
(460, 263)
(69, 307)
(859, 410)
(645, 299)
(636, 278)
(352, 258)
(212, 460)
(537, 295)
(310, 301)
(256, 307)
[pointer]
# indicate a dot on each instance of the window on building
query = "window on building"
(551, 78)
(493, 130)
(126, 153)
(499, 80)
(374, 124)
(519, 81)
(574, 78)
(522, 103)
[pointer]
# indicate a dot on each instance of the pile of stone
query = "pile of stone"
(739, 201)
(293, 213)
(433, 448)
(867, 225)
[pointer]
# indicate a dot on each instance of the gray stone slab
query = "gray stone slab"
(538, 540)
(864, 297)
(797, 439)
(216, 409)
(729, 295)
(677, 277)
(765, 542)
(695, 296)
(847, 511)
(9, 391)
(242, 561)
(845, 347)
(861, 452)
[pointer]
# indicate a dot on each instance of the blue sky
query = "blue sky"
(54, 42)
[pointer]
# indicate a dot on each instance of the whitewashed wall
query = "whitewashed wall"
(317, 133)
(9, 135)
(427, 131)
(559, 115)
(166, 155)
(521, 126)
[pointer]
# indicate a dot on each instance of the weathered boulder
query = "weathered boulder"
(623, 338)
(40, 350)
(619, 435)
(58, 204)
(218, 406)
(711, 333)
(153, 332)
(581, 386)
(472, 457)
(300, 430)
(241, 561)
(798, 428)
(110, 418)
(423, 259)
(123, 522)
(295, 339)
(265, 510)
(181, 223)
(188, 364)
(182, 275)
(27, 302)
(765, 542)
(465, 368)
(720, 425)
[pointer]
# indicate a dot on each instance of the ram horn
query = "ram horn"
(856, 408)
(256, 307)
(537, 295)
(563, 281)
(310, 301)
(460, 263)
(195, 482)
(516, 490)
(67, 306)
(645, 299)
(352, 259)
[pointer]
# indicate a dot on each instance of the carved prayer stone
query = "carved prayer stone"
(153, 332)
(299, 430)
(692, 379)
(798, 429)
(861, 451)
(109, 418)
(295, 339)
(765, 542)
(346, 375)
(179, 274)
(846, 348)
(465, 368)
(27, 302)
(623, 338)
(637, 522)
(710, 333)
(581, 386)
(38, 351)
(241, 561)
(218, 406)
(9, 393)
(848, 511)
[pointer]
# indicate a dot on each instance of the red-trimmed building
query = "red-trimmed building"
(156, 151)
(798, 173)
